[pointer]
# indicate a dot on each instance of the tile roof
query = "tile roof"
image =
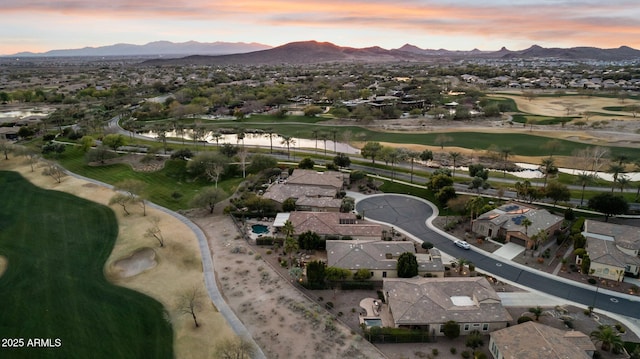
(533, 340)
(627, 237)
(419, 301)
(377, 255)
(314, 178)
(328, 223)
(510, 215)
(280, 192)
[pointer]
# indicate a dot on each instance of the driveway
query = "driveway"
(412, 215)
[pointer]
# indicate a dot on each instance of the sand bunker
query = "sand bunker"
(138, 262)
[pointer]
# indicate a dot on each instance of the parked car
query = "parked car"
(462, 244)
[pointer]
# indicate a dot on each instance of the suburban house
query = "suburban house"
(507, 221)
(613, 249)
(380, 257)
(327, 224)
(428, 303)
(312, 190)
(533, 340)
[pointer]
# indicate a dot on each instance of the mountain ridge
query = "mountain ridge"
(308, 52)
(154, 48)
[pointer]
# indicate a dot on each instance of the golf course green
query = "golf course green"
(56, 302)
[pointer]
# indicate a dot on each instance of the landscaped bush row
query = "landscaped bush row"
(397, 335)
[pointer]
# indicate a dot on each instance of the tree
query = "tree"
(260, 162)
(289, 204)
(86, 143)
(506, 152)
(537, 312)
(371, 150)
(309, 240)
(208, 197)
(451, 329)
(114, 141)
(238, 348)
(622, 182)
(135, 189)
(440, 140)
(526, 223)
(454, 158)
(439, 181)
(548, 167)
(606, 335)
(584, 179)
(269, 133)
(209, 164)
(306, 163)
(585, 266)
(557, 192)
(362, 274)
(427, 246)
(228, 150)
(335, 274)
(121, 199)
(342, 160)
(445, 194)
(55, 171)
(288, 141)
(412, 156)
(154, 231)
(478, 170)
(316, 273)
(608, 204)
(190, 302)
(474, 340)
(312, 111)
(615, 170)
(426, 155)
(407, 265)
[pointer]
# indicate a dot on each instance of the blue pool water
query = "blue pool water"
(259, 229)
(373, 322)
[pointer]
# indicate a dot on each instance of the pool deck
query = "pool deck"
(373, 311)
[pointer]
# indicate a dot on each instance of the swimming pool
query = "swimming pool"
(259, 229)
(373, 322)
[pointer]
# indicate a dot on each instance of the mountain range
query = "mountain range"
(154, 49)
(309, 52)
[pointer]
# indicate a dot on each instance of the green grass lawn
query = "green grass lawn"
(56, 245)
(161, 185)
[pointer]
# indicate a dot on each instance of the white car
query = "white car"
(462, 244)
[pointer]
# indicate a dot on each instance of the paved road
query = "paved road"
(411, 214)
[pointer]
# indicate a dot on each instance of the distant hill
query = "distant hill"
(298, 53)
(157, 48)
(310, 52)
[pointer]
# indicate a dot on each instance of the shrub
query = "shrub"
(453, 350)
(524, 319)
(568, 323)
(465, 354)
(434, 351)
(329, 305)
(591, 281)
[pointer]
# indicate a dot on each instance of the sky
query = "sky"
(42, 25)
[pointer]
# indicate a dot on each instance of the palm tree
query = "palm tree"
(506, 152)
(334, 133)
(537, 312)
(412, 156)
(270, 134)
(324, 137)
(216, 136)
(623, 181)
(288, 141)
(608, 337)
(454, 159)
(584, 179)
(526, 222)
(240, 135)
(314, 133)
(474, 205)
(548, 166)
(615, 170)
